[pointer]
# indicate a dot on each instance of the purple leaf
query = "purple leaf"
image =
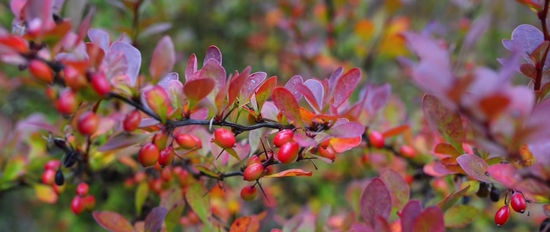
(213, 53)
(408, 215)
(99, 37)
(505, 174)
(347, 130)
(191, 67)
(163, 59)
(317, 89)
(345, 85)
(398, 187)
(448, 123)
(213, 70)
(153, 221)
(287, 104)
(377, 97)
(132, 57)
(333, 77)
(155, 29)
(291, 84)
(526, 38)
(251, 84)
(375, 201)
(430, 220)
(474, 166)
(308, 95)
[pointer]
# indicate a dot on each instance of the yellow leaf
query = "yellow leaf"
(363, 29)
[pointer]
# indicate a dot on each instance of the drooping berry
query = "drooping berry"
(100, 84)
(131, 121)
(253, 172)
(148, 154)
(248, 193)
(87, 123)
(288, 152)
(166, 156)
(41, 71)
(48, 176)
(407, 151)
(74, 79)
(518, 203)
(224, 138)
(82, 189)
(376, 139)
(59, 178)
(187, 141)
(501, 216)
(77, 205)
(66, 102)
(283, 137)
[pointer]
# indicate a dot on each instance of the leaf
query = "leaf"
(397, 186)
(197, 89)
(122, 140)
(446, 122)
(247, 224)
(291, 84)
(430, 220)
(153, 221)
(199, 203)
(505, 174)
(112, 221)
(213, 53)
(207, 171)
(375, 201)
(251, 85)
(14, 168)
(158, 101)
(474, 166)
(408, 215)
(446, 149)
(163, 59)
(171, 198)
(155, 29)
(452, 198)
(236, 84)
(140, 196)
(377, 97)
(45, 193)
(264, 91)
(289, 172)
(343, 144)
(191, 67)
(492, 106)
(287, 104)
(459, 216)
(347, 130)
(345, 85)
(132, 58)
(525, 38)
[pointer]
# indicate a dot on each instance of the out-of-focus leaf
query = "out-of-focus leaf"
(264, 91)
(474, 166)
(14, 168)
(155, 29)
(436, 169)
(322, 218)
(191, 67)
(546, 209)
(408, 215)
(122, 140)
(153, 221)
(173, 201)
(112, 221)
(45, 193)
(397, 186)
(460, 216)
(343, 144)
(345, 85)
(140, 196)
(199, 203)
(213, 53)
(360, 227)
(158, 101)
(197, 89)
(526, 38)
(505, 174)
(347, 130)
(376, 97)
(206, 170)
(163, 59)
(452, 198)
(375, 201)
(287, 104)
(236, 84)
(251, 85)
(132, 58)
(446, 149)
(448, 123)
(430, 220)
(247, 223)
(289, 172)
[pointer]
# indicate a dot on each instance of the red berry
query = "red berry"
(288, 152)
(166, 174)
(51, 165)
(82, 189)
(224, 138)
(73, 78)
(41, 71)
(501, 216)
(48, 176)
(187, 141)
(100, 84)
(407, 151)
(253, 172)
(88, 202)
(283, 137)
(376, 139)
(166, 156)
(248, 193)
(87, 123)
(518, 202)
(131, 121)
(66, 102)
(77, 205)
(253, 159)
(148, 154)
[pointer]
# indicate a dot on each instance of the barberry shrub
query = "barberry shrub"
(146, 138)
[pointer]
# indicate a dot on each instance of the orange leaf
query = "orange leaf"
(290, 172)
(247, 224)
(112, 221)
(343, 144)
(446, 149)
(494, 105)
(395, 131)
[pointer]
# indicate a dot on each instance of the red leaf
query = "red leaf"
(153, 221)
(163, 59)
(14, 42)
(287, 104)
(448, 123)
(343, 144)
(252, 83)
(112, 221)
(474, 166)
(236, 84)
(398, 187)
(345, 86)
(213, 53)
(430, 220)
(198, 89)
(408, 215)
(290, 172)
(375, 201)
(191, 67)
(505, 174)
(265, 90)
(347, 130)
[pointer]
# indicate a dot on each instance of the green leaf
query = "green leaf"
(446, 122)
(233, 153)
(45, 193)
(198, 200)
(140, 196)
(14, 168)
(112, 221)
(460, 216)
(207, 171)
(451, 199)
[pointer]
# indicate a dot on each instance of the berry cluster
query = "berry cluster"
(82, 200)
(518, 203)
(53, 176)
